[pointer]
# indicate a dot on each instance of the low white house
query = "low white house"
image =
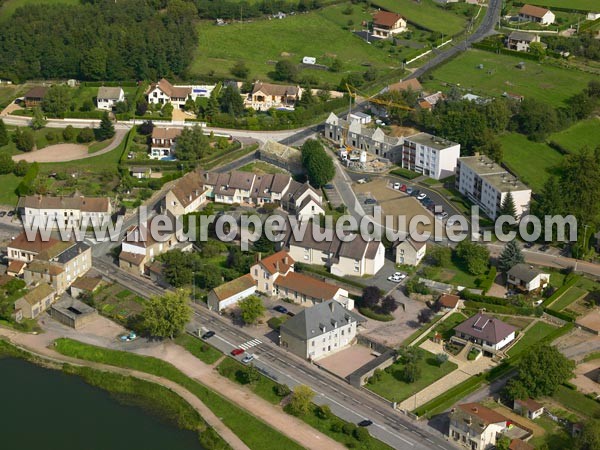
(108, 97)
(528, 408)
(485, 331)
(537, 14)
(410, 252)
(230, 293)
(525, 278)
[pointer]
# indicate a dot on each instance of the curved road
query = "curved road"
(486, 28)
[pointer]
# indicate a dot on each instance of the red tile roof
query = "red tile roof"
(483, 413)
(385, 18)
(277, 262)
(35, 246)
(533, 11)
(306, 285)
(449, 300)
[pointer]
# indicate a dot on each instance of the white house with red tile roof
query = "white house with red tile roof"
(531, 13)
(386, 24)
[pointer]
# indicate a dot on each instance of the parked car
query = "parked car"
(328, 186)
(129, 336)
(402, 275)
(362, 181)
(442, 215)
(10, 213)
(237, 351)
(281, 309)
(370, 201)
(409, 190)
(246, 359)
(528, 244)
(422, 196)
(208, 334)
(397, 186)
(394, 279)
(403, 188)
(544, 248)
(2, 213)
(365, 423)
(291, 314)
(415, 193)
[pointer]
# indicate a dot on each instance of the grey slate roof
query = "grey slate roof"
(319, 319)
(521, 36)
(524, 272)
(109, 93)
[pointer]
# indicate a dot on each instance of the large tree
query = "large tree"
(285, 70)
(240, 70)
(106, 129)
(252, 309)
(38, 121)
(166, 316)
(7, 165)
(370, 297)
(192, 144)
(510, 256)
(536, 119)
(508, 208)
(540, 371)
(231, 101)
(590, 436)
(24, 139)
(57, 100)
(318, 164)
(301, 400)
(474, 256)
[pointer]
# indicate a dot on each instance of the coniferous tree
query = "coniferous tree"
(508, 207)
(106, 130)
(510, 256)
(3, 134)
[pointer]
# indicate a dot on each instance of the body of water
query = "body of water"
(47, 409)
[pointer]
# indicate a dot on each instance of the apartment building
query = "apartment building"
(487, 184)
(64, 211)
(430, 155)
(60, 265)
(319, 331)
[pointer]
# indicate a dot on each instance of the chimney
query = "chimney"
(475, 410)
(286, 260)
(331, 306)
(277, 265)
(259, 256)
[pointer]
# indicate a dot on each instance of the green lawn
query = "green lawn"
(572, 294)
(547, 83)
(393, 387)
(201, 350)
(577, 402)
(533, 162)
(263, 42)
(427, 14)
(587, 5)
(583, 134)
(9, 183)
(251, 430)
(538, 331)
(446, 328)
(261, 167)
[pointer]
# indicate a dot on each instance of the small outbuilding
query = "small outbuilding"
(72, 312)
(528, 408)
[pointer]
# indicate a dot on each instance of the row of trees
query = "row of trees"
(140, 40)
(373, 299)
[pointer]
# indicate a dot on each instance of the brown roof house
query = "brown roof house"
(448, 302)
(475, 426)
(36, 301)
(231, 293)
(35, 96)
(162, 142)
(537, 14)
(164, 92)
(265, 96)
(406, 85)
(187, 195)
(85, 285)
(485, 331)
(386, 24)
(528, 408)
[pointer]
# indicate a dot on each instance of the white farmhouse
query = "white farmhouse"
(108, 97)
(525, 278)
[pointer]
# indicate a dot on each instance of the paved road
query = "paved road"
(486, 28)
(351, 404)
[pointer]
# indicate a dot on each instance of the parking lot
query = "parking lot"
(333, 195)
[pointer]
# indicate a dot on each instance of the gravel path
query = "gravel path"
(68, 152)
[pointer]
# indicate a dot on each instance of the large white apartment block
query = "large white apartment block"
(430, 155)
(64, 211)
(487, 184)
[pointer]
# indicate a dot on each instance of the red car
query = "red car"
(403, 188)
(237, 351)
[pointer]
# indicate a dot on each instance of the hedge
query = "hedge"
(561, 290)
(560, 314)
(300, 267)
(557, 8)
(405, 173)
(367, 312)
(109, 83)
(506, 309)
(96, 115)
(25, 187)
(487, 282)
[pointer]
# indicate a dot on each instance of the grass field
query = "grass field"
(550, 84)
(394, 388)
(426, 13)
(9, 183)
(534, 162)
(577, 402)
(572, 294)
(201, 350)
(9, 6)
(583, 134)
(586, 5)
(264, 387)
(263, 42)
(532, 336)
(261, 167)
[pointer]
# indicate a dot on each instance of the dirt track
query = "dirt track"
(68, 152)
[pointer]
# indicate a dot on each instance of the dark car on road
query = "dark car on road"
(370, 201)
(328, 186)
(281, 309)
(10, 213)
(544, 248)
(365, 423)
(2, 213)
(415, 193)
(528, 244)
(291, 314)
(208, 334)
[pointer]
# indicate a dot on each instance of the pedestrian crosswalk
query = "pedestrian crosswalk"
(250, 344)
